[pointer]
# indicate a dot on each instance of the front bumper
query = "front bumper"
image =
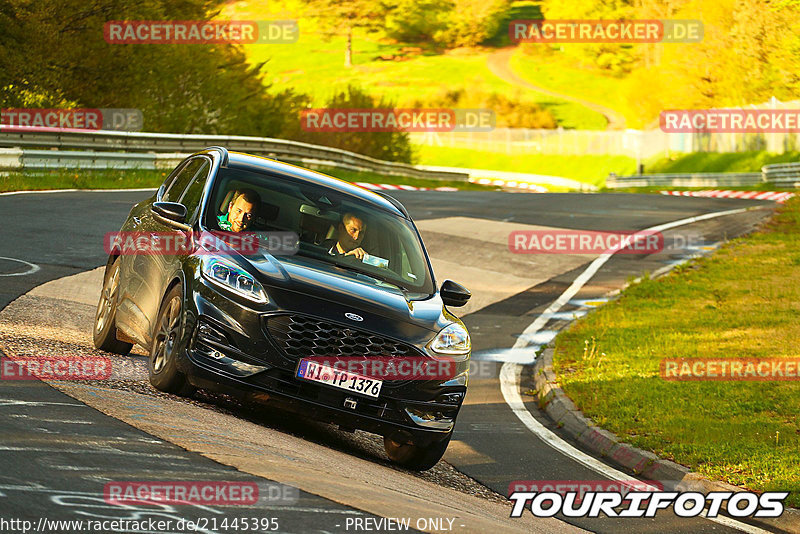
(229, 349)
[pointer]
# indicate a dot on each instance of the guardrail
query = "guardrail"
(90, 148)
(786, 174)
(17, 158)
(780, 174)
(517, 180)
(696, 179)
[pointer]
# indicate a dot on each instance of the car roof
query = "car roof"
(253, 163)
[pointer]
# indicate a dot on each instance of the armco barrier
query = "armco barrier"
(698, 179)
(100, 142)
(780, 174)
(65, 159)
(784, 174)
(514, 179)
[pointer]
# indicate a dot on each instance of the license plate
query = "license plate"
(347, 381)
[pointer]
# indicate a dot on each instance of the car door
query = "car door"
(152, 268)
(129, 315)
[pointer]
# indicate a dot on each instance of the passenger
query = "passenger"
(241, 211)
(351, 231)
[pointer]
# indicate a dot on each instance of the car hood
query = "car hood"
(323, 290)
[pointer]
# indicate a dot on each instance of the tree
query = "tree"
(470, 22)
(342, 17)
(418, 21)
(614, 57)
(393, 145)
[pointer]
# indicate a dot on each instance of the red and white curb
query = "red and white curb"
(533, 188)
(391, 187)
(716, 193)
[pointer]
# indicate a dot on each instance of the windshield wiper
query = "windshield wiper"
(354, 269)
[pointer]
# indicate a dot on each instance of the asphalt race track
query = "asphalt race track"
(61, 444)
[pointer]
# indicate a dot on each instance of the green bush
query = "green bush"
(49, 60)
(447, 23)
(510, 112)
(392, 146)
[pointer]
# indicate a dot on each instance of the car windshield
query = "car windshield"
(334, 228)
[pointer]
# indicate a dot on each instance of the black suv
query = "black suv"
(265, 323)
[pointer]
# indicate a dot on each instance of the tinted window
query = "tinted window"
(183, 178)
(192, 195)
(173, 174)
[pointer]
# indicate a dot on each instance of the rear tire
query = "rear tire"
(416, 457)
(163, 363)
(104, 333)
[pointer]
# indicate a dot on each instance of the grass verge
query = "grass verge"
(80, 179)
(566, 76)
(718, 162)
(590, 169)
(742, 302)
(354, 176)
(133, 179)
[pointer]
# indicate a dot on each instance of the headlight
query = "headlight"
(230, 276)
(452, 339)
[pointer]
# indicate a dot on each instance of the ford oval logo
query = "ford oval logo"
(353, 316)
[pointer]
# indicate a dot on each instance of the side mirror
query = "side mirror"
(172, 211)
(454, 294)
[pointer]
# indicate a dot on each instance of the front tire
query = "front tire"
(416, 457)
(104, 333)
(163, 365)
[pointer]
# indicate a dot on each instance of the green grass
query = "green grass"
(740, 303)
(131, 179)
(658, 189)
(315, 66)
(354, 176)
(80, 179)
(718, 162)
(588, 169)
(558, 74)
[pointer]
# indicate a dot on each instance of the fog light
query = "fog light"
(208, 333)
(430, 419)
(450, 398)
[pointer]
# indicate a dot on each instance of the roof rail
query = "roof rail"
(223, 152)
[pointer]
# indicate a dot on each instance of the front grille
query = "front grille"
(300, 336)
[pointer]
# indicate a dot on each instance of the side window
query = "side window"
(173, 174)
(176, 188)
(193, 194)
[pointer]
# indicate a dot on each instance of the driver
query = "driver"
(351, 231)
(241, 211)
